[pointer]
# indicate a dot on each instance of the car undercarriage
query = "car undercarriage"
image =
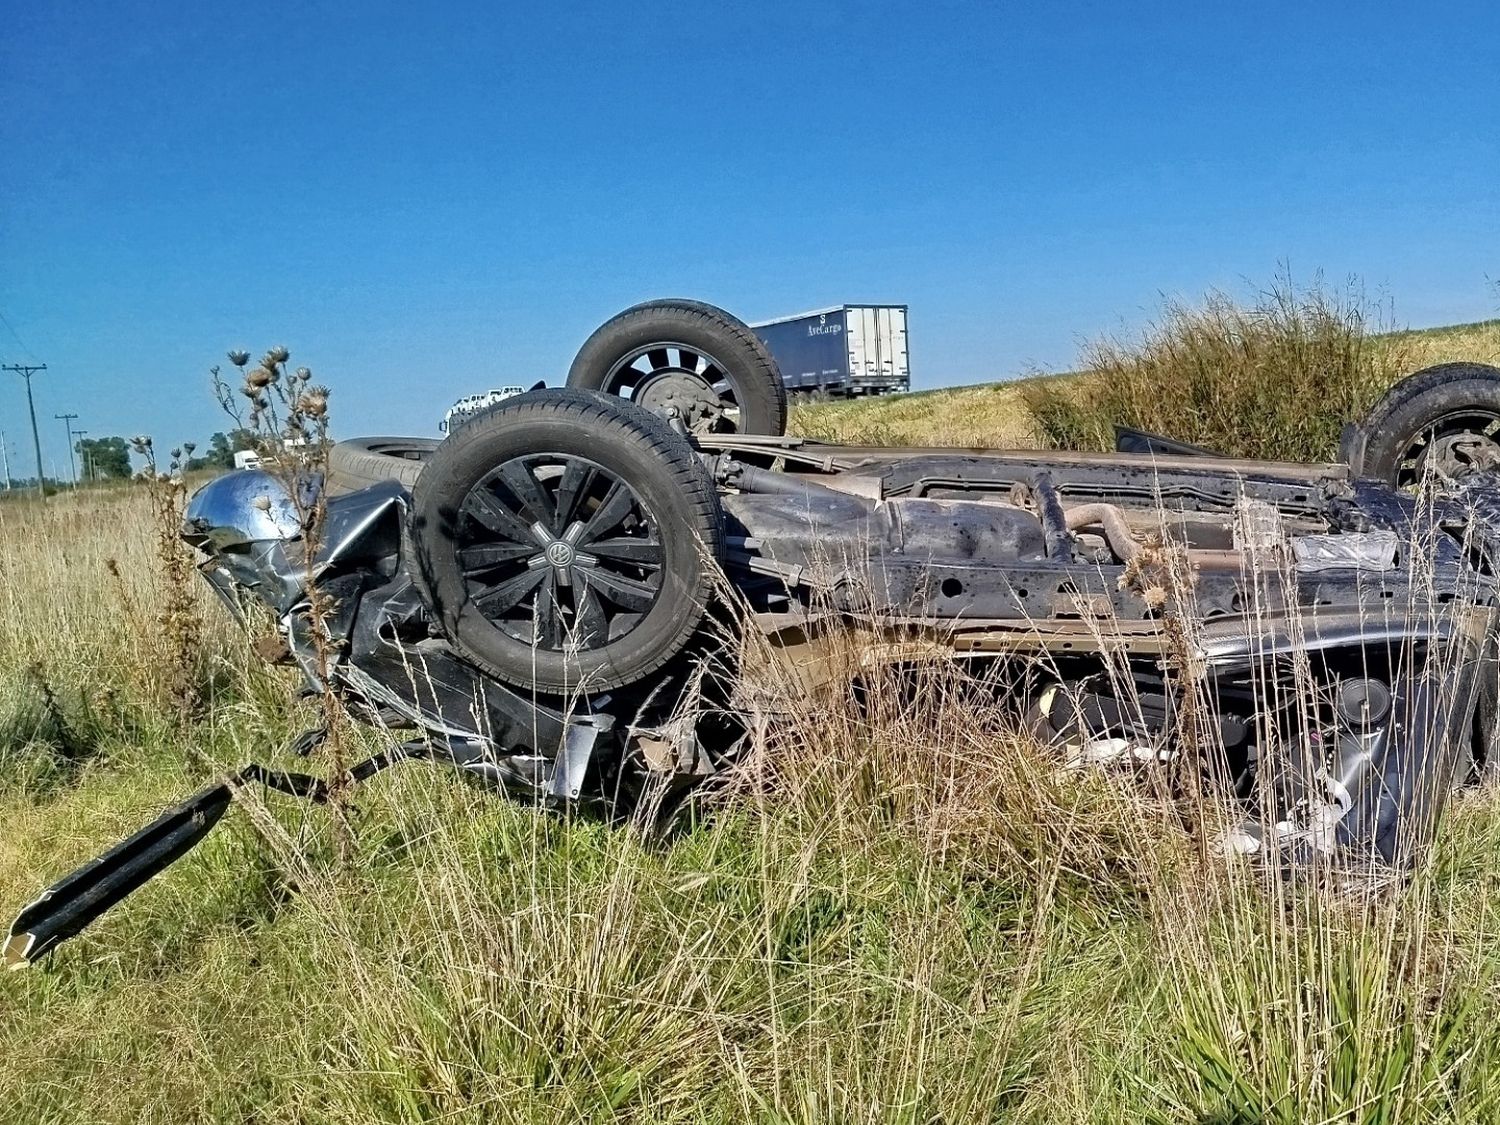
(572, 595)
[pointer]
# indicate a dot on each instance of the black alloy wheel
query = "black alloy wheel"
(558, 551)
(666, 375)
(1453, 446)
(1443, 420)
(566, 541)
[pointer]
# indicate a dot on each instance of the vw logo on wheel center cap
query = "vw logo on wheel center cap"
(559, 553)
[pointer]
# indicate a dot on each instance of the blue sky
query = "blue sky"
(422, 201)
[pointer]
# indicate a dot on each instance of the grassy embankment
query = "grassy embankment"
(921, 920)
(995, 414)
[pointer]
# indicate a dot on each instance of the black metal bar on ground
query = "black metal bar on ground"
(75, 900)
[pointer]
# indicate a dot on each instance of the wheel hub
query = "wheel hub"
(685, 394)
(559, 554)
(1456, 455)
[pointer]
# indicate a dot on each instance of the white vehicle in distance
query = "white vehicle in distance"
(473, 404)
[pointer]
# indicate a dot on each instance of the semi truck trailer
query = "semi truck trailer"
(842, 351)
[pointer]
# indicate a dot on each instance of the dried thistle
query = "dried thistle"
(290, 420)
(314, 402)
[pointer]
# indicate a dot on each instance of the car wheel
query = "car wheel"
(688, 360)
(361, 462)
(1443, 419)
(566, 541)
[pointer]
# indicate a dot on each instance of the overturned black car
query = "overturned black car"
(554, 598)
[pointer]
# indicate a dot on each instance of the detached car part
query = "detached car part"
(544, 598)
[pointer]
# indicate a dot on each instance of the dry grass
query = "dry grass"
(1478, 342)
(991, 416)
(1274, 379)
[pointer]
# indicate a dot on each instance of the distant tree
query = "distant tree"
(222, 447)
(104, 458)
(219, 454)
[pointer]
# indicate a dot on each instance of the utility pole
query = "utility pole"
(26, 371)
(67, 421)
(88, 476)
(5, 456)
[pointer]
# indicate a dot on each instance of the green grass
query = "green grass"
(921, 920)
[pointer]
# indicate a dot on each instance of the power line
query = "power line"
(15, 335)
(26, 371)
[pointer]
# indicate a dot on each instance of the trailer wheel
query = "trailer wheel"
(687, 360)
(1443, 419)
(361, 462)
(566, 541)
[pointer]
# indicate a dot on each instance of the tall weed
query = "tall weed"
(1275, 379)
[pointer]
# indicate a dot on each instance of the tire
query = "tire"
(361, 462)
(639, 355)
(611, 609)
(1423, 414)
